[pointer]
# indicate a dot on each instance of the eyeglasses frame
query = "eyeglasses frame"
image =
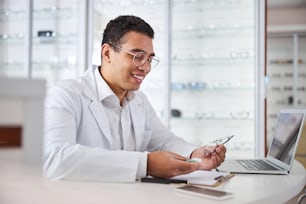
(149, 60)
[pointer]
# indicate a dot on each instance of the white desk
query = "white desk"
(21, 184)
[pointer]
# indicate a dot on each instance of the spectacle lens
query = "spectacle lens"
(140, 58)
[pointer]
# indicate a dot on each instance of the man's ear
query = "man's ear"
(105, 53)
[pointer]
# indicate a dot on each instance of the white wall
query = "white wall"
(11, 111)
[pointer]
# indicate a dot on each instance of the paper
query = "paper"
(209, 178)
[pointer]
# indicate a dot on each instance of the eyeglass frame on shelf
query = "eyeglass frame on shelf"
(149, 59)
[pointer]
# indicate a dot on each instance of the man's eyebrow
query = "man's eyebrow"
(140, 50)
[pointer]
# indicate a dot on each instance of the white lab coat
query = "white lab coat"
(78, 143)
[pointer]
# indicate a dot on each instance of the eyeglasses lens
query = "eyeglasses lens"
(140, 58)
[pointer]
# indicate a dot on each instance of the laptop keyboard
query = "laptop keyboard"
(256, 165)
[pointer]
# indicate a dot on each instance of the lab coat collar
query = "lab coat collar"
(104, 89)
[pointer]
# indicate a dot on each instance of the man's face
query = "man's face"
(125, 75)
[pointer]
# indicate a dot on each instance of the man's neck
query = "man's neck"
(121, 94)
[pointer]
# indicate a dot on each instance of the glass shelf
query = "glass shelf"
(59, 65)
(209, 5)
(59, 39)
(209, 118)
(200, 90)
(15, 39)
(10, 15)
(54, 12)
(212, 32)
(126, 3)
(38, 65)
(202, 61)
(11, 65)
(39, 14)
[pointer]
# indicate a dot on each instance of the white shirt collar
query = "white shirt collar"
(104, 91)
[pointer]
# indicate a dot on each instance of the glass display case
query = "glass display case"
(12, 45)
(214, 72)
(57, 43)
(58, 39)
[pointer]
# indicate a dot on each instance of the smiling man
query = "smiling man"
(100, 127)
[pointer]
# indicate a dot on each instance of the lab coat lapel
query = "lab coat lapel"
(138, 120)
(95, 105)
(99, 114)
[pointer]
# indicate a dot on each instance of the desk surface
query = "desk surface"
(22, 184)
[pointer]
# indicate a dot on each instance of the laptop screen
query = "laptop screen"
(286, 135)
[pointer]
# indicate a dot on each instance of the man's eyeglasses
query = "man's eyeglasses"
(140, 58)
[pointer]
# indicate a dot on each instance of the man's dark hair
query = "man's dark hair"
(119, 26)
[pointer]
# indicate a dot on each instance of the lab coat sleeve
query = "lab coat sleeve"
(65, 159)
(162, 138)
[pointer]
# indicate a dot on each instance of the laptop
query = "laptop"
(281, 152)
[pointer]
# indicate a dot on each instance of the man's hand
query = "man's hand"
(211, 160)
(163, 164)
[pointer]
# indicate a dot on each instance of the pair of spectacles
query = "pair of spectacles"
(140, 58)
(222, 140)
(211, 148)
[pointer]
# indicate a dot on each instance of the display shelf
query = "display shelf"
(56, 65)
(204, 118)
(208, 5)
(8, 40)
(212, 31)
(11, 65)
(217, 60)
(18, 39)
(37, 65)
(127, 3)
(58, 13)
(39, 14)
(7, 16)
(212, 64)
(12, 70)
(58, 39)
(286, 72)
(211, 88)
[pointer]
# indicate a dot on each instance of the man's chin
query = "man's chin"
(133, 88)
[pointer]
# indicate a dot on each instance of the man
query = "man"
(100, 128)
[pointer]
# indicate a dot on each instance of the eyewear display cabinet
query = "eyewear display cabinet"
(286, 73)
(42, 39)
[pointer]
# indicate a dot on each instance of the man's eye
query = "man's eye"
(140, 56)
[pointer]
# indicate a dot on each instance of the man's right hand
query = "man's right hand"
(163, 164)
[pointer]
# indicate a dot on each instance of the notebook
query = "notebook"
(281, 152)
